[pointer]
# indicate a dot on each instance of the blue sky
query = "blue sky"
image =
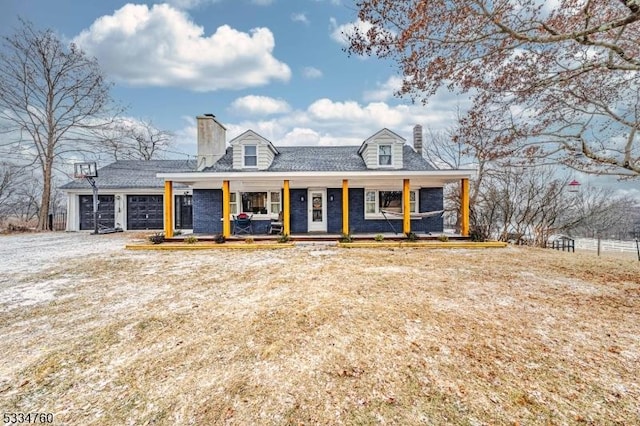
(275, 66)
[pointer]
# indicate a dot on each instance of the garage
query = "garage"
(106, 211)
(144, 212)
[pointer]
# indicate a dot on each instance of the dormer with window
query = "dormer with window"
(252, 152)
(383, 150)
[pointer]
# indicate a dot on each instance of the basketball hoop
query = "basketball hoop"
(89, 171)
(85, 170)
(574, 186)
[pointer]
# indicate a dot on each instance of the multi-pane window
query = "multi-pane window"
(275, 202)
(234, 203)
(370, 202)
(377, 202)
(255, 202)
(384, 155)
(250, 155)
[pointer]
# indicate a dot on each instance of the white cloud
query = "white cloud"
(384, 91)
(311, 72)
(188, 4)
(161, 46)
(341, 33)
(329, 122)
(300, 17)
(259, 105)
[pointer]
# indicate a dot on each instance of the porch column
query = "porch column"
(464, 210)
(345, 206)
(286, 209)
(226, 209)
(168, 209)
(406, 206)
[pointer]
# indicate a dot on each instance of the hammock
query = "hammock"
(412, 216)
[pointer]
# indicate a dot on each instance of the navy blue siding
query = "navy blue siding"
(207, 211)
(431, 199)
(298, 211)
(334, 210)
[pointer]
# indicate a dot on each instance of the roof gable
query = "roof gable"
(251, 135)
(381, 134)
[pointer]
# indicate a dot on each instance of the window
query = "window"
(275, 202)
(250, 157)
(255, 202)
(384, 155)
(233, 198)
(390, 201)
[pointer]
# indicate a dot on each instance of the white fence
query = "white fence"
(606, 245)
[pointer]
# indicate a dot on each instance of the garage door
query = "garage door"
(106, 214)
(144, 212)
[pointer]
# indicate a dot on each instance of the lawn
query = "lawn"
(321, 335)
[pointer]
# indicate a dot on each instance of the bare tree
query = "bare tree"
(50, 96)
(597, 212)
(557, 82)
(10, 179)
(135, 140)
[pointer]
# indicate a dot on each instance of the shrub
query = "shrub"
(219, 239)
(443, 238)
(190, 239)
(157, 238)
(249, 240)
(412, 236)
(178, 232)
(284, 238)
(379, 237)
(346, 238)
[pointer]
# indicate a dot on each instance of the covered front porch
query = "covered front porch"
(323, 205)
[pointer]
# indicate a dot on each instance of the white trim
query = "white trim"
(262, 175)
(244, 156)
(390, 155)
(322, 226)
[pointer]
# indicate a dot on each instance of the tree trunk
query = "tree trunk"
(43, 216)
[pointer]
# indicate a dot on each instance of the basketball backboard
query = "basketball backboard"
(85, 170)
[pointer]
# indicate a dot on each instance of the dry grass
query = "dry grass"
(327, 336)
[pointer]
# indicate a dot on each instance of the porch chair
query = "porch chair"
(242, 224)
(276, 226)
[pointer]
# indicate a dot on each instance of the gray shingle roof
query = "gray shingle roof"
(133, 174)
(321, 159)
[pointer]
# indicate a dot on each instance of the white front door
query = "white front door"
(317, 208)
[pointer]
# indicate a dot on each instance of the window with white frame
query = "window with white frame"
(264, 202)
(250, 156)
(233, 201)
(384, 155)
(377, 201)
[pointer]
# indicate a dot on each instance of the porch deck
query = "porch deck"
(324, 237)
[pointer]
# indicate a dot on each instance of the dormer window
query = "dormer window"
(250, 156)
(384, 155)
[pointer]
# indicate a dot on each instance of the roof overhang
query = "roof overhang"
(370, 178)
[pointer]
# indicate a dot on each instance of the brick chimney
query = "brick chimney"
(417, 139)
(212, 140)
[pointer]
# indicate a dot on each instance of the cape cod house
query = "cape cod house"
(383, 185)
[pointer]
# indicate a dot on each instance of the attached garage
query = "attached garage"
(144, 212)
(106, 216)
(135, 199)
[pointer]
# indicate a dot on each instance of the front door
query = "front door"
(317, 210)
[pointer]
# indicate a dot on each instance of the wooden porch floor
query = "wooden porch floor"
(324, 237)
